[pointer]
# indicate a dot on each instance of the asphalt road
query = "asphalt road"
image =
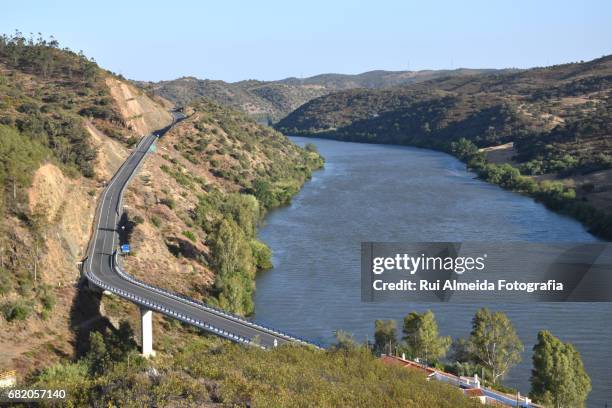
(102, 270)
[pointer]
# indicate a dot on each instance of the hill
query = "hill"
(380, 79)
(272, 100)
(261, 100)
(66, 125)
(196, 370)
(217, 175)
(551, 122)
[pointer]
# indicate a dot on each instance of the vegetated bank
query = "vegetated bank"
(194, 208)
(545, 132)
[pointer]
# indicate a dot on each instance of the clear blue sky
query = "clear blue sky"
(235, 40)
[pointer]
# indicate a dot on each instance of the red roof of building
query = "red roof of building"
(474, 392)
(392, 360)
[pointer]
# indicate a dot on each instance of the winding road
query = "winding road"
(103, 270)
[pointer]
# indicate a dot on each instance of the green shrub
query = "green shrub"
(262, 255)
(16, 310)
(190, 235)
(47, 298)
(138, 219)
(168, 202)
(131, 141)
(25, 287)
(5, 282)
(156, 221)
(98, 112)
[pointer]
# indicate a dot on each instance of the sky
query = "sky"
(236, 40)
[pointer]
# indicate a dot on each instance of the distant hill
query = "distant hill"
(549, 123)
(273, 100)
(381, 79)
(261, 100)
(489, 108)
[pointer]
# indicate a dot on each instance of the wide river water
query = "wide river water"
(391, 193)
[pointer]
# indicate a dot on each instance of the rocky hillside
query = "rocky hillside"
(264, 101)
(551, 122)
(273, 100)
(195, 205)
(65, 127)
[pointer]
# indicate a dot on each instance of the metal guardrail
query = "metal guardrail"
(136, 299)
(206, 307)
(153, 306)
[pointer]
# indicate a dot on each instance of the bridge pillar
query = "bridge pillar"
(146, 330)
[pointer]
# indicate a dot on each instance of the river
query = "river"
(392, 193)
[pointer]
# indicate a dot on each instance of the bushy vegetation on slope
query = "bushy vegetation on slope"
(269, 170)
(42, 90)
(548, 112)
(208, 371)
(195, 369)
(261, 100)
(554, 194)
(46, 95)
(227, 172)
(581, 146)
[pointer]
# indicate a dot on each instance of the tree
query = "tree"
(244, 210)
(463, 148)
(460, 350)
(558, 378)
(494, 343)
(121, 341)
(237, 295)
(231, 253)
(17, 310)
(385, 336)
(344, 341)
(263, 191)
(98, 355)
(421, 337)
(261, 254)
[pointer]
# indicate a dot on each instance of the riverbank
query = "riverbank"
(193, 209)
(375, 192)
(554, 194)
